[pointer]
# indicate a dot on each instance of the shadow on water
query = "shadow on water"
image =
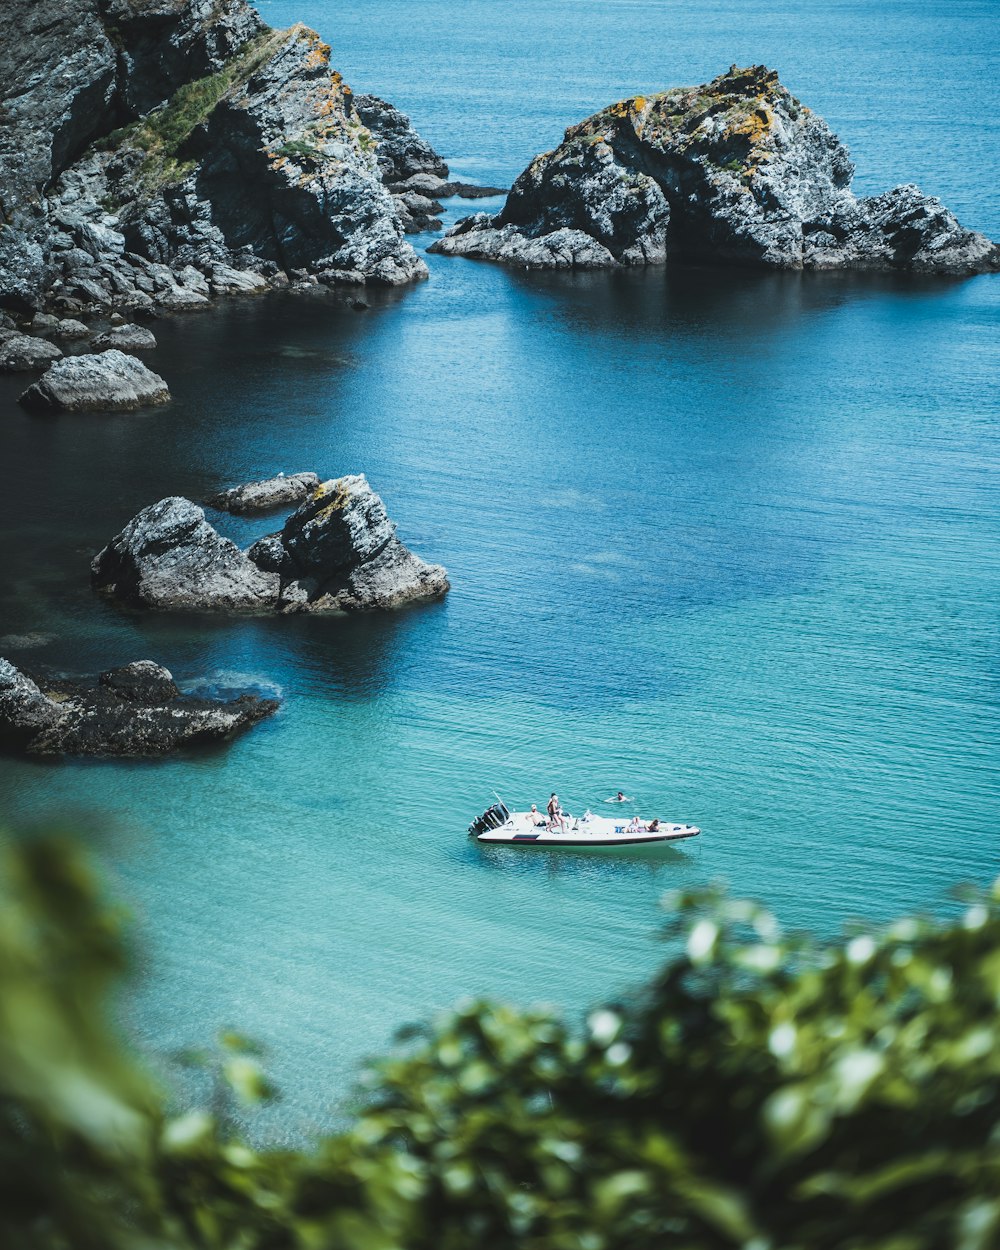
(353, 657)
(687, 298)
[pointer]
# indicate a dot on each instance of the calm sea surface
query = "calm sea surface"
(726, 541)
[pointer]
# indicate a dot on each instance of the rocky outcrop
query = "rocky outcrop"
(136, 710)
(126, 338)
(337, 552)
(275, 492)
(20, 353)
(733, 172)
(147, 143)
(168, 557)
(108, 382)
(164, 44)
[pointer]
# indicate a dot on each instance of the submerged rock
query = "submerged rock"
(733, 172)
(169, 557)
(274, 492)
(127, 338)
(136, 710)
(110, 382)
(337, 552)
(20, 353)
(470, 191)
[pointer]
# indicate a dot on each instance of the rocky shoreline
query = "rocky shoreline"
(736, 171)
(157, 157)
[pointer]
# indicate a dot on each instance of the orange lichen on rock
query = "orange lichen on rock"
(753, 126)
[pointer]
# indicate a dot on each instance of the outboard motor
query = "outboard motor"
(494, 817)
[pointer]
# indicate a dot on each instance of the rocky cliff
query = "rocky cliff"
(736, 171)
(158, 152)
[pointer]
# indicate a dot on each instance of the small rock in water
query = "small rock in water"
(226, 281)
(44, 323)
(20, 353)
(127, 337)
(69, 328)
(135, 710)
(180, 300)
(111, 381)
(470, 191)
(342, 554)
(274, 492)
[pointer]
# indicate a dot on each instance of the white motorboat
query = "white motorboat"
(500, 825)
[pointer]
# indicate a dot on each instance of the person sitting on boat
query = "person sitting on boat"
(555, 813)
(634, 826)
(535, 817)
(653, 826)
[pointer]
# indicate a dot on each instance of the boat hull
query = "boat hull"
(568, 839)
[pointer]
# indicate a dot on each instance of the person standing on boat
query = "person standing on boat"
(555, 813)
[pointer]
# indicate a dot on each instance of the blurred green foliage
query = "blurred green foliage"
(764, 1092)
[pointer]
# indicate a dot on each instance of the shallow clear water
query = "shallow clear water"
(727, 541)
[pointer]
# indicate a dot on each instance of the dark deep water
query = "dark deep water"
(726, 540)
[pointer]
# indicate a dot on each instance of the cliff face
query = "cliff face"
(735, 171)
(143, 138)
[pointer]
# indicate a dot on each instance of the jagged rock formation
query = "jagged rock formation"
(108, 382)
(403, 154)
(156, 153)
(136, 710)
(338, 552)
(274, 492)
(736, 171)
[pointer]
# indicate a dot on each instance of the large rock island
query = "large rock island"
(733, 172)
(337, 552)
(136, 710)
(155, 153)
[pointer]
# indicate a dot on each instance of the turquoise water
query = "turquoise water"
(725, 541)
